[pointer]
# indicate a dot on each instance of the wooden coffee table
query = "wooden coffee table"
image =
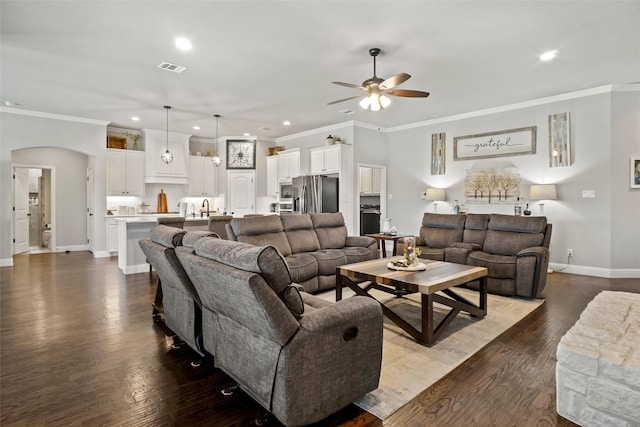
(434, 284)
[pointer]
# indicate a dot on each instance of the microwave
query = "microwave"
(286, 190)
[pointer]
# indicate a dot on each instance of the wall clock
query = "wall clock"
(241, 154)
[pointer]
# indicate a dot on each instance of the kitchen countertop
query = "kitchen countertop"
(154, 217)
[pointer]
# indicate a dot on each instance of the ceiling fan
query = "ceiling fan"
(378, 88)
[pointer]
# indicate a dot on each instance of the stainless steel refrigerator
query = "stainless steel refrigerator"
(315, 194)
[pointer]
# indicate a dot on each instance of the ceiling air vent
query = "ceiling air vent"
(346, 111)
(175, 68)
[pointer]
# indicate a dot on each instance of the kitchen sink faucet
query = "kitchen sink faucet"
(205, 201)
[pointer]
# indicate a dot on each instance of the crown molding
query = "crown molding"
(510, 107)
(53, 116)
(315, 131)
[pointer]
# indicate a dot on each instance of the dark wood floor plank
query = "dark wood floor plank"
(79, 347)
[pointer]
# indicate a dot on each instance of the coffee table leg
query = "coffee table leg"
(427, 319)
(483, 295)
(338, 286)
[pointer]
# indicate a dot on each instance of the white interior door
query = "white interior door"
(90, 210)
(240, 192)
(20, 210)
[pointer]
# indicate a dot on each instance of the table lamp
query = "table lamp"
(543, 192)
(435, 195)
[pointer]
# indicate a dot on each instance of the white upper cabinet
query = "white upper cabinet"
(158, 171)
(288, 165)
(125, 172)
(202, 177)
(370, 180)
(327, 160)
(273, 187)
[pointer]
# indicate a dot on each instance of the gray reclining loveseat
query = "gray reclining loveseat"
(514, 249)
(313, 245)
(299, 356)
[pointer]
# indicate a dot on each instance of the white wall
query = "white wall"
(585, 225)
(21, 130)
(625, 201)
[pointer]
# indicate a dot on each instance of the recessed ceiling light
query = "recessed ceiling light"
(548, 55)
(183, 44)
(247, 134)
(135, 119)
(286, 123)
(11, 104)
(196, 128)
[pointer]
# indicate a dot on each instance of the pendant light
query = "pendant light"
(167, 156)
(216, 160)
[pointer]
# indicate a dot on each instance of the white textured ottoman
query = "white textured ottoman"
(598, 363)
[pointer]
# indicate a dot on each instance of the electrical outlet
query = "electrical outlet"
(569, 252)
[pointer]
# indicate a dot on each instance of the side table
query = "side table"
(382, 238)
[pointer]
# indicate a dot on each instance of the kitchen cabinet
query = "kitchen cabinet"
(158, 171)
(112, 235)
(285, 166)
(369, 181)
(202, 176)
(125, 172)
(328, 160)
(273, 187)
(288, 164)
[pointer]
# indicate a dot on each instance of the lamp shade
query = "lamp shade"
(435, 194)
(543, 192)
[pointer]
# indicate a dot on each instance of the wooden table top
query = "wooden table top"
(437, 276)
(381, 236)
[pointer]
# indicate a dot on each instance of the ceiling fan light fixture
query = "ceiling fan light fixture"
(365, 102)
(385, 101)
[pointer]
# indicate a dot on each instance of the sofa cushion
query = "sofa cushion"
(475, 228)
(293, 301)
(261, 231)
(508, 235)
(440, 230)
(165, 235)
(191, 237)
(302, 267)
(328, 260)
(300, 233)
(498, 266)
(358, 254)
(330, 229)
(264, 260)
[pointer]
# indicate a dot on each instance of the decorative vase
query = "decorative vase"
(410, 258)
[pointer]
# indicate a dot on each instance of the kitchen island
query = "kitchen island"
(131, 229)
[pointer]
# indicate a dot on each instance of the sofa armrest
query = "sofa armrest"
(342, 315)
(539, 273)
(360, 241)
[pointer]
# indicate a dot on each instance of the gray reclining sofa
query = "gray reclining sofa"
(313, 245)
(299, 356)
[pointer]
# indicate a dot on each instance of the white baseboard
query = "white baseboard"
(72, 248)
(103, 254)
(6, 262)
(138, 268)
(619, 273)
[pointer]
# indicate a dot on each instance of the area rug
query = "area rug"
(408, 368)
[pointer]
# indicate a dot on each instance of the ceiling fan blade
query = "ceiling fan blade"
(394, 81)
(407, 93)
(344, 99)
(349, 85)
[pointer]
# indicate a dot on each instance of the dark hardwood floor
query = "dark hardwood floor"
(79, 347)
